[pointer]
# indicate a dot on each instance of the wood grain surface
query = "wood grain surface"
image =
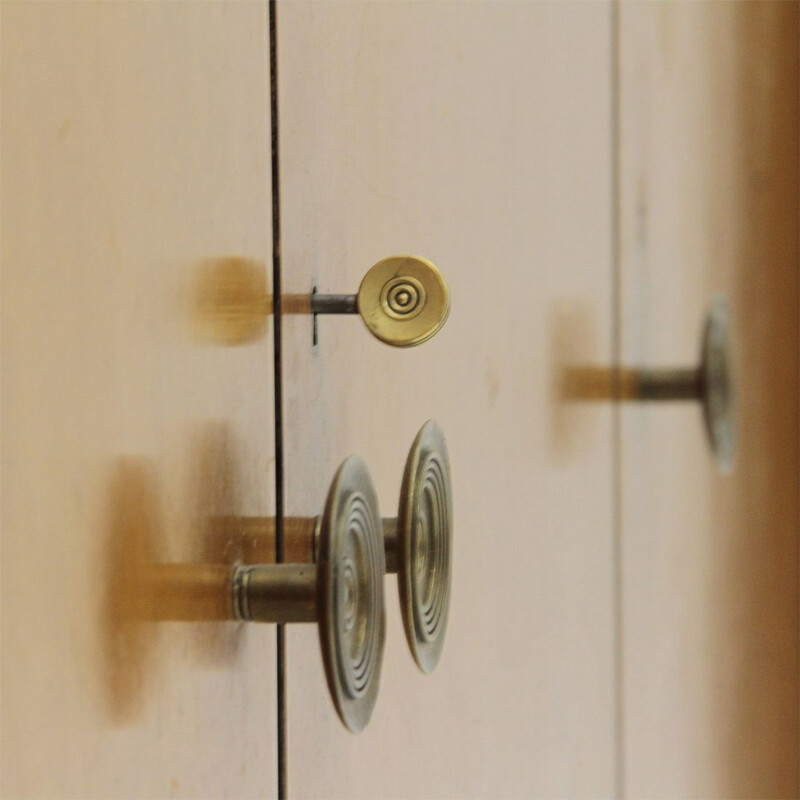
(135, 143)
(624, 620)
(709, 204)
(477, 136)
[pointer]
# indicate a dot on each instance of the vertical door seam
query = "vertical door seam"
(616, 409)
(278, 387)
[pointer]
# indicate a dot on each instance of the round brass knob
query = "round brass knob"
(342, 592)
(712, 383)
(345, 589)
(403, 300)
(425, 534)
(417, 543)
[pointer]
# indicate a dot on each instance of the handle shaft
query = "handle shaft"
(632, 385)
(299, 539)
(334, 304)
(316, 304)
(670, 384)
(275, 593)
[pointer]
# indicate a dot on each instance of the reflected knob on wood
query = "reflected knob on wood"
(712, 383)
(403, 300)
(417, 543)
(342, 592)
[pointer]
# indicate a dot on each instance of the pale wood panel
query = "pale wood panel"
(476, 135)
(135, 141)
(708, 99)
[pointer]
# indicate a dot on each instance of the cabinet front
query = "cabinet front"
(708, 497)
(136, 162)
(477, 138)
(479, 438)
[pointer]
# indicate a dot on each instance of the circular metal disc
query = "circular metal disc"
(425, 542)
(403, 300)
(719, 384)
(352, 619)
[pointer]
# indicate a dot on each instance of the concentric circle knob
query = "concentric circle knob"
(342, 592)
(403, 300)
(417, 544)
(425, 533)
(352, 622)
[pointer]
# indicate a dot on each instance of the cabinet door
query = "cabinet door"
(135, 141)
(478, 136)
(709, 204)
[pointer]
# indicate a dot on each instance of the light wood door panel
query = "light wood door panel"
(476, 135)
(709, 183)
(135, 141)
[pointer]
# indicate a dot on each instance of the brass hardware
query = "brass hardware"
(425, 533)
(342, 592)
(713, 383)
(417, 543)
(403, 300)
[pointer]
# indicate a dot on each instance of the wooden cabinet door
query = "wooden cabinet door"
(709, 204)
(586, 176)
(478, 136)
(135, 145)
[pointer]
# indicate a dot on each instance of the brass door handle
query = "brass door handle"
(712, 382)
(342, 592)
(403, 300)
(417, 543)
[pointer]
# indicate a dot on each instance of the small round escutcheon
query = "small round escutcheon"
(403, 300)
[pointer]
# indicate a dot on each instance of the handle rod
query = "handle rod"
(314, 303)
(670, 384)
(275, 593)
(632, 385)
(299, 539)
(334, 304)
